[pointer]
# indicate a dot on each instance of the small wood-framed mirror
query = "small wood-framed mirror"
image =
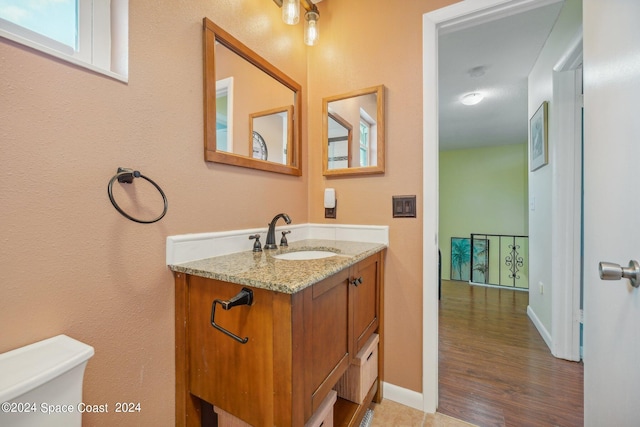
(272, 133)
(353, 133)
(252, 109)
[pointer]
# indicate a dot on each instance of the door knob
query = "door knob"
(612, 271)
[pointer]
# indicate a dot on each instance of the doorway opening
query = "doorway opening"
(460, 14)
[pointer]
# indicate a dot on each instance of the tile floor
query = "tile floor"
(389, 413)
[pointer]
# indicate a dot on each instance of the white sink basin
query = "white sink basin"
(305, 255)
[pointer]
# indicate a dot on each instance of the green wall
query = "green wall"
(482, 190)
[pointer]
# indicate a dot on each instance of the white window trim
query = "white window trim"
(367, 146)
(372, 149)
(98, 51)
(224, 87)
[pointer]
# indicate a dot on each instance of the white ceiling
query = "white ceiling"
(506, 50)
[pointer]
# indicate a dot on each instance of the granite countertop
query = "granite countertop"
(262, 270)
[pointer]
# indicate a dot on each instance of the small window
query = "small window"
(368, 141)
(224, 114)
(89, 33)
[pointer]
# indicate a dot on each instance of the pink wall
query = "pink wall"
(73, 265)
(363, 44)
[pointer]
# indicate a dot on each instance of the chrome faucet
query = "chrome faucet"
(271, 234)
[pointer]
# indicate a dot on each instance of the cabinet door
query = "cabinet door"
(327, 344)
(238, 378)
(365, 299)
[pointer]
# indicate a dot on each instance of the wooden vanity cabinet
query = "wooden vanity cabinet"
(299, 345)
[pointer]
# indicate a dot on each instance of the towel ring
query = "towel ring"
(126, 176)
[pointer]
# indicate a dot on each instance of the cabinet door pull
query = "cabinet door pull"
(244, 297)
(356, 282)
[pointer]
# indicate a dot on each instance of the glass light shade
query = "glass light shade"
(311, 28)
(291, 11)
(472, 98)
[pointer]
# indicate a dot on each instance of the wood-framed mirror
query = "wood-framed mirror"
(353, 133)
(252, 109)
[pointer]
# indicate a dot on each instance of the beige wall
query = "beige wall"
(364, 43)
(73, 265)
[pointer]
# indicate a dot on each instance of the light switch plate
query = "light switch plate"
(404, 206)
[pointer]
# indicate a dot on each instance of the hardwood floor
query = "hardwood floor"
(495, 369)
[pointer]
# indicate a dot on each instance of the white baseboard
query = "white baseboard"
(404, 396)
(546, 336)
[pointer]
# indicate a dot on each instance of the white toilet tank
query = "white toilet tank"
(41, 383)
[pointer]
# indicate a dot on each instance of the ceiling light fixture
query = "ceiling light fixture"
(472, 98)
(291, 16)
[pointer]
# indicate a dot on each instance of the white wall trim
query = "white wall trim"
(103, 35)
(190, 247)
(466, 13)
(401, 395)
(546, 336)
(566, 203)
(430, 208)
(572, 57)
(476, 12)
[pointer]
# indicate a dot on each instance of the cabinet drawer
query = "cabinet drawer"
(361, 374)
(323, 417)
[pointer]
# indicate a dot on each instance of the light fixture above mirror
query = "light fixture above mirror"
(290, 11)
(291, 16)
(311, 27)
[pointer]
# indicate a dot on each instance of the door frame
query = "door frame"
(457, 16)
(566, 209)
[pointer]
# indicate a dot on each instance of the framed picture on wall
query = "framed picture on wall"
(538, 140)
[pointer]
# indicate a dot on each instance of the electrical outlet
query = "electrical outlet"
(541, 288)
(331, 212)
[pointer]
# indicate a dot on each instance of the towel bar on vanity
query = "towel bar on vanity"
(244, 297)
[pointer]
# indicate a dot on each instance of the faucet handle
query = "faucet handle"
(257, 246)
(283, 241)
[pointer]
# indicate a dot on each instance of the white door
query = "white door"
(612, 210)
